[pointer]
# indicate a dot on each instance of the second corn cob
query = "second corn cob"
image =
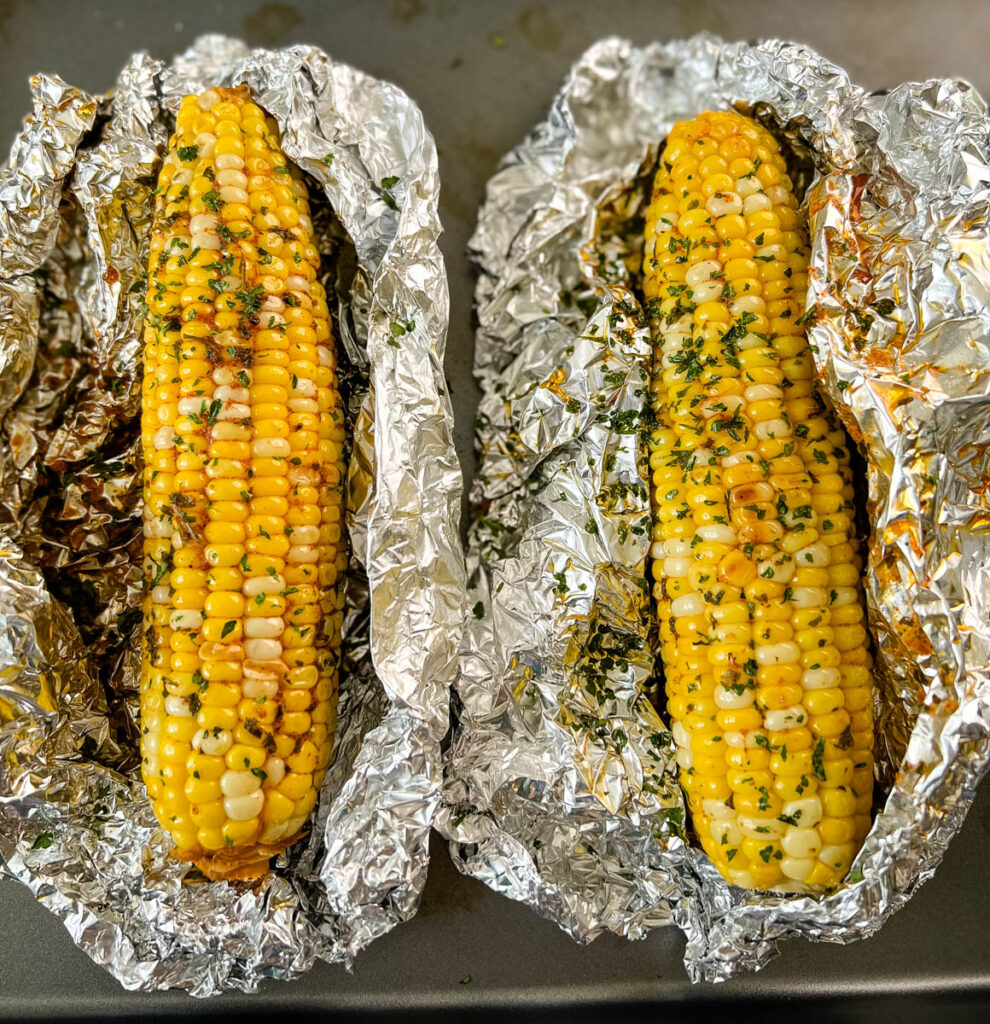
(755, 555)
(242, 433)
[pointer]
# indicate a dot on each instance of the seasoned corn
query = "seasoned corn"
(242, 432)
(761, 615)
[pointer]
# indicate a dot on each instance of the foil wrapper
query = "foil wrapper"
(560, 788)
(75, 824)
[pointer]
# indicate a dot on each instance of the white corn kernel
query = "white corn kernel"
(746, 740)
(230, 194)
(731, 700)
(801, 842)
(213, 742)
(780, 568)
(737, 459)
(295, 823)
(231, 176)
(769, 253)
(303, 554)
(263, 626)
(726, 832)
(205, 142)
(234, 411)
(303, 476)
(274, 770)
(809, 597)
(205, 240)
(768, 429)
(185, 618)
(785, 718)
(816, 555)
(306, 535)
(684, 758)
(755, 202)
(777, 654)
(262, 649)
(778, 195)
(702, 271)
(244, 808)
(761, 392)
(191, 406)
(164, 438)
(682, 737)
(796, 868)
(717, 809)
(203, 222)
(178, 707)
(708, 291)
(724, 204)
(820, 678)
(687, 604)
(226, 393)
(255, 585)
(273, 832)
(838, 855)
(229, 162)
(805, 811)
(747, 304)
(717, 533)
(235, 783)
(760, 828)
(157, 529)
(259, 689)
(271, 446)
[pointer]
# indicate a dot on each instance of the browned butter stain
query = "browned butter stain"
(540, 28)
(407, 10)
(271, 23)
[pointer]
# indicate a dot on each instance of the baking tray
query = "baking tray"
(484, 74)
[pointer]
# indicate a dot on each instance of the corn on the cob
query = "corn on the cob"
(242, 432)
(764, 646)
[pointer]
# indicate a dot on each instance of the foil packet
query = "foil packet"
(75, 823)
(560, 785)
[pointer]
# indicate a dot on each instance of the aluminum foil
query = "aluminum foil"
(75, 825)
(559, 787)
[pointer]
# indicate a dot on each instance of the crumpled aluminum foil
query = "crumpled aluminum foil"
(75, 825)
(559, 788)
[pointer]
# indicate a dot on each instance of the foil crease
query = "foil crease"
(559, 787)
(75, 824)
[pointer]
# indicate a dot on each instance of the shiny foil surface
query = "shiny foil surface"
(75, 824)
(560, 788)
